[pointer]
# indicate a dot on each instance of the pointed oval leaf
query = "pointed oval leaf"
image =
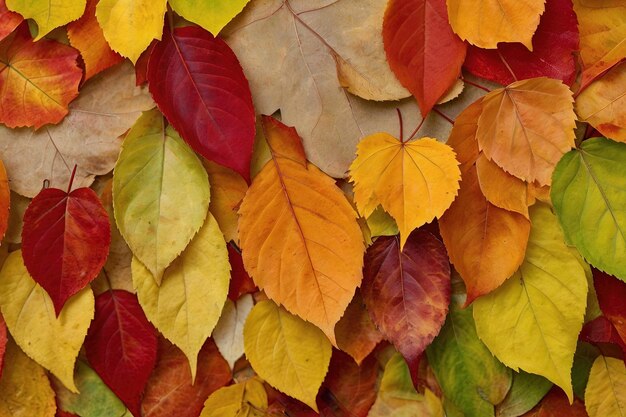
(212, 15)
(198, 84)
(407, 291)
(186, 306)
(160, 192)
(53, 342)
(228, 333)
(527, 126)
(606, 391)
(414, 182)
(39, 80)
(121, 346)
(300, 239)
(422, 50)
(287, 352)
(246, 398)
(65, 241)
(48, 14)
(532, 321)
(588, 192)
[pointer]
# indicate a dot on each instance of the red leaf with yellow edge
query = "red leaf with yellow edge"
(556, 404)
(8, 20)
(3, 342)
(422, 50)
(356, 333)
(65, 240)
(349, 390)
(407, 292)
(86, 35)
(37, 80)
(5, 200)
(197, 82)
(611, 294)
(170, 390)
(240, 281)
(121, 346)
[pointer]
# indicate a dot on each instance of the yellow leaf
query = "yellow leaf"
(186, 306)
(532, 321)
(212, 15)
(48, 14)
(605, 395)
(299, 236)
(228, 333)
(527, 127)
(485, 23)
(414, 182)
(53, 342)
(380, 223)
(246, 399)
(287, 352)
(129, 26)
(24, 387)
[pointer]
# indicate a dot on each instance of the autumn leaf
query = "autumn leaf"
(198, 84)
(527, 126)
(53, 342)
(3, 343)
(600, 332)
(287, 352)
(422, 50)
(606, 391)
(501, 188)
(316, 257)
(211, 15)
(156, 212)
(489, 22)
(413, 181)
(5, 200)
(228, 332)
(246, 398)
(514, 321)
(525, 393)
(8, 20)
(586, 193)
(48, 14)
(556, 404)
(240, 281)
(611, 293)
(39, 80)
(122, 346)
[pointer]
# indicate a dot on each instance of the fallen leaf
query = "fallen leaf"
(380, 223)
(287, 352)
(246, 398)
(121, 346)
(211, 15)
(199, 85)
(88, 137)
(240, 281)
(10, 20)
(228, 333)
(5, 201)
(525, 393)
(3, 343)
(413, 181)
(606, 391)
(611, 293)
(546, 296)
(156, 212)
(316, 256)
(48, 14)
(422, 50)
(53, 342)
(39, 80)
(19, 204)
(501, 188)
(600, 332)
(556, 404)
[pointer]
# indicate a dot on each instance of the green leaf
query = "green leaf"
(585, 354)
(525, 393)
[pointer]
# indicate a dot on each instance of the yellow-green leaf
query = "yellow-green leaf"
(246, 399)
(53, 342)
(212, 15)
(160, 192)
(48, 14)
(129, 26)
(532, 321)
(189, 301)
(605, 395)
(286, 351)
(381, 223)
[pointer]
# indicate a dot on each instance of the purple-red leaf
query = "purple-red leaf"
(121, 346)
(198, 84)
(407, 293)
(554, 44)
(65, 241)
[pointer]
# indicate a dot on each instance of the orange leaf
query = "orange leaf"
(527, 127)
(8, 20)
(463, 137)
(501, 188)
(299, 236)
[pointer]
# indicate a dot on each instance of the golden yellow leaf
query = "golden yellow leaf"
(48, 14)
(212, 15)
(53, 342)
(605, 395)
(413, 181)
(299, 236)
(245, 399)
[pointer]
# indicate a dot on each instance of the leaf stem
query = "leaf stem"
(401, 126)
(416, 129)
(440, 113)
(69, 187)
(482, 87)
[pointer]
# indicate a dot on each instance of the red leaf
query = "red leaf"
(407, 293)
(197, 82)
(554, 44)
(600, 330)
(65, 241)
(3, 342)
(422, 50)
(611, 297)
(8, 20)
(349, 390)
(240, 281)
(121, 346)
(556, 404)
(170, 391)
(61, 413)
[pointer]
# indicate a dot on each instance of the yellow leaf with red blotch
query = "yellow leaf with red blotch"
(603, 103)
(501, 188)
(38, 79)
(527, 127)
(485, 23)
(413, 181)
(299, 236)
(48, 14)
(227, 191)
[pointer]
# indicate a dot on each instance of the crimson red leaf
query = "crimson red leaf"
(65, 241)
(407, 293)
(170, 390)
(599, 331)
(611, 297)
(197, 82)
(3, 342)
(121, 346)
(349, 390)
(61, 413)
(240, 281)
(554, 44)
(422, 50)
